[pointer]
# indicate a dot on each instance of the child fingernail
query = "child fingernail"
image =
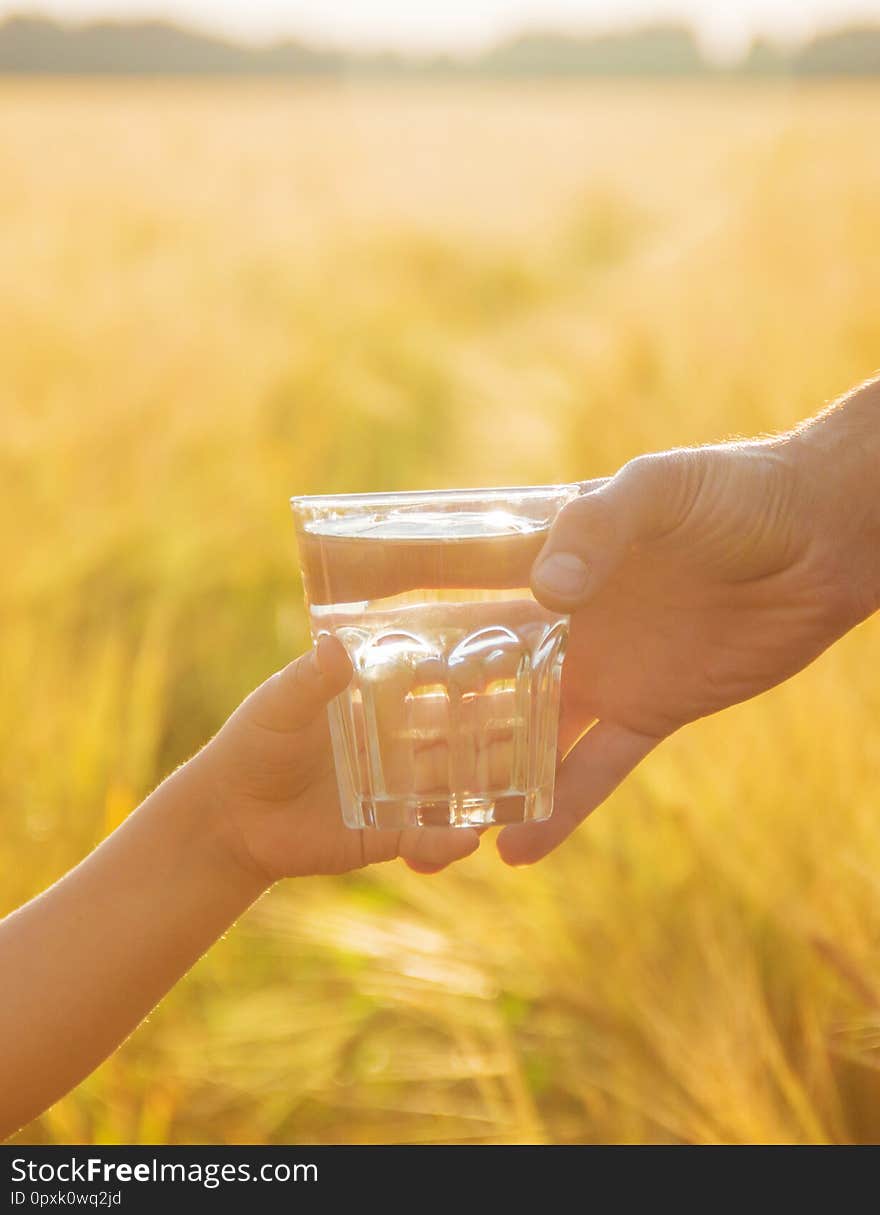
(323, 653)
(316, 655)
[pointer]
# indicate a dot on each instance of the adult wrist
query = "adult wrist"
(837, 459)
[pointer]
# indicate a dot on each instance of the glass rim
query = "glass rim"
(492, 494)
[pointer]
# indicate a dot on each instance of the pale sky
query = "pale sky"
(461, 24)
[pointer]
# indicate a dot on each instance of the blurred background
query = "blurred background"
(254, 250)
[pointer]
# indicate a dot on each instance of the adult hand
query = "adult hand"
(696, 579)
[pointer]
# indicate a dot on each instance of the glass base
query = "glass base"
(395, 814)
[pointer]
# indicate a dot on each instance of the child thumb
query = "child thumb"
(293, 696)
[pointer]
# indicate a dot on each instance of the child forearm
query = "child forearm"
(84, 962)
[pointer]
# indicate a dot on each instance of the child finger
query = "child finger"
(430, 849)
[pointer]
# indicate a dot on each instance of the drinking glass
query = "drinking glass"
(451, 716)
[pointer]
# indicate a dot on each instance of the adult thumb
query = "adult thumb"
(594, 532)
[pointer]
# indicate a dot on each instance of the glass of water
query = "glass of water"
(451, 716)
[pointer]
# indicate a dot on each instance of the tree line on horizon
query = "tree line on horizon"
(40, 45)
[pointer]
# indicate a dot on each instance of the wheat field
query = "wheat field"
(215, 295)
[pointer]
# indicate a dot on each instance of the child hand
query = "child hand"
(268, 779)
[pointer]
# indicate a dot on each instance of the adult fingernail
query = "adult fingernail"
(562, 574)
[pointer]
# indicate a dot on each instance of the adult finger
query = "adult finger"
(601, 760)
